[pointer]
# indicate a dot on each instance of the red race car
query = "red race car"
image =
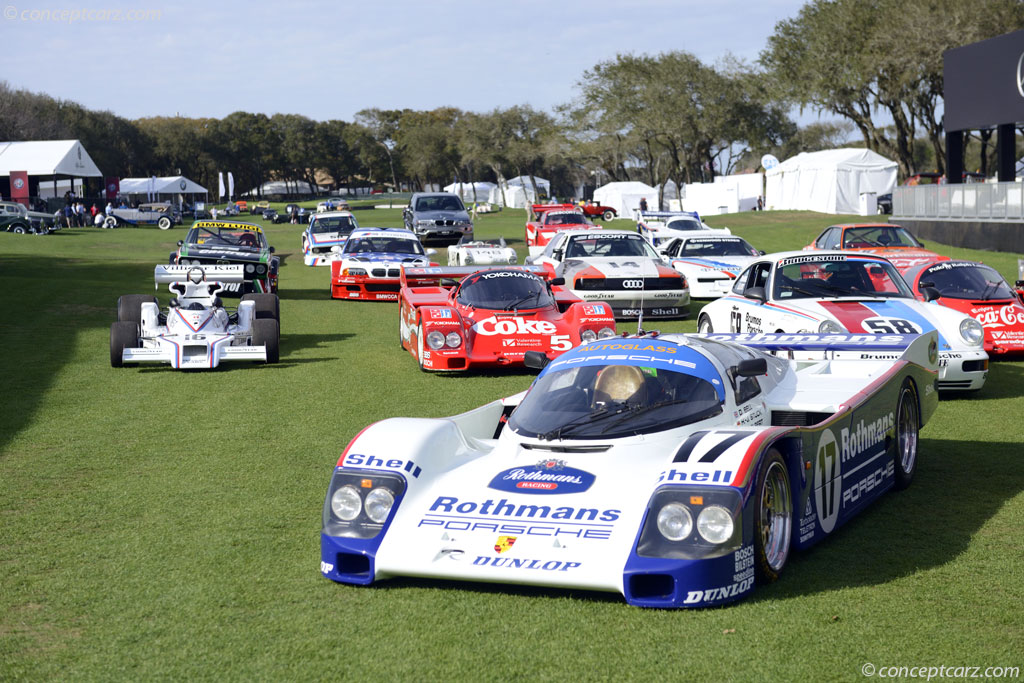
(980, 292)
(894, 242)
(605, 213)
(459, 318)
(552, 219)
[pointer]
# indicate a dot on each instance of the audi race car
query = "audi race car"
(470, 252)
(980, 292)
(370, 264)
(677, 471)
(710, 264)
(196, 332)
(619, 267)
(839, 292)
(212, 242)
(472, 317)
(552, 219)
(323, 239)
(660, 226)
(894, 242)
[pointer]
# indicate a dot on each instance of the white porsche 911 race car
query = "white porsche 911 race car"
(196, 331)
(471, 252)
(839, 292)
(660, 226)
(710, 263)
(677, 471)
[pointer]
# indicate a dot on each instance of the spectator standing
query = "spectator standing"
(643, 203)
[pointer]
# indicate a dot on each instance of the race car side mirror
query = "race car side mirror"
(751, 367)
(1019, 284)
(756, 293)
(535, 359)
(557, 255)
(181, 242)
(930, 293)
(760, 252)
(557, 281)
(271, 250)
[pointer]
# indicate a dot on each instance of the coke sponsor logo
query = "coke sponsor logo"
(997, 317)
(493, 326)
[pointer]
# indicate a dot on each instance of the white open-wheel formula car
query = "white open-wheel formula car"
(196, 331)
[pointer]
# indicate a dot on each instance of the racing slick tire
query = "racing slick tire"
(268, 306)
(123, 335)
(908, 424)
(267, 332)
(704, 325)
(773, 518)
(110, 222)
(129, 307)
(608, 215)
(164, 223)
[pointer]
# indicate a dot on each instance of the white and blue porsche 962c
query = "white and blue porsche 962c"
(678, 471)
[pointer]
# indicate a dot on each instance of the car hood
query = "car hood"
(242, 253)
(729, 264)
(441, 215)
(617, 266)
(411, 259)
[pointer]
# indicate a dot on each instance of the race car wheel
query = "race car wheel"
(129, 307)
(908, 422)
(704, 325)
(267, 332)
(164, 223)
(268, 306)
(123, 335)
(608, 215)
(110, 222)
(773, 518)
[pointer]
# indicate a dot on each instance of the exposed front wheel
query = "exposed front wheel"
(704, 325)
(268, 306)
(773, 518)
(608, 215)
(129, 307)
(123, 335)
(164, 223)
(266, 332)
(19, 230)
(908, 423)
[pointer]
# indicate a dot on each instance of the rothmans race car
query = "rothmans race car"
(459, 318)
(980, 292)
(619, 267)
(676, 471)
(196, 331)
(326, 234)
(552, 219)
(371, 261)
(710, 264)
(227, 243)
(838, 292)
(471, 252)
(660, 226)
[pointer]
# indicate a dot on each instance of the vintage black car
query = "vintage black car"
(286, 215)
(231, 243)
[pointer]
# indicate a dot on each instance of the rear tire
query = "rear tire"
(164, 223)
(267, 332)
(129, 307)
(19, 230)
(908, 424)
(704, 325)
(773, 518)
(123, 335)
(268, 306)
(608, 215)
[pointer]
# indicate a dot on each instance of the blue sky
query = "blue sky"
(328, 60)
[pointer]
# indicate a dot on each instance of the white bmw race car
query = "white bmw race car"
(323, 239)
(710, 263)
(838, 292)
(677, 471)
(196, 331)
(471, 252)
(660, 226)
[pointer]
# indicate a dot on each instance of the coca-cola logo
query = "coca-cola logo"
(998, 317)
(507, 326)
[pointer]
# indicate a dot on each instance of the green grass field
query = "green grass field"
(156, 524)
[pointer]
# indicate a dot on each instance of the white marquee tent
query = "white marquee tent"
(47, 158)
(166, 185)
(625, 196)
(831, 181)
(466, 191)
(543, 186)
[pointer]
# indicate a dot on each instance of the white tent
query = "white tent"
(285, 188)
(727, 194)
(164, 185)
(514, 196)
(47, 158)
(831, 181)
(625, 197)
(543, 186)
(472, 192)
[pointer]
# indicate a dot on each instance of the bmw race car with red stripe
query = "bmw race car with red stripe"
(370, 263)
(323, 239)
(470, 317)
(837, 292)
(677, 471)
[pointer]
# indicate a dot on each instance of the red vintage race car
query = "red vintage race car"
(605, 213)
(459, 318)
(980, 292)
(552, 219)
(894, 242)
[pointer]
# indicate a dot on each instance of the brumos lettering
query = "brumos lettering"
(492, 326)
(714, 594)
(869, 483)
(503, 508)
(519, 563)
(864, 435)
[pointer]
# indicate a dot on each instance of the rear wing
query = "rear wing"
(434, 275)
(164, 275)
(921, 349)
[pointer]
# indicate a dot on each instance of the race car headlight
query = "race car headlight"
(250, 268)
(260, 269)
(830, 327)
(378, 504)
(354, 272)
(468, 258)
(605, 333)
(453, 340)
(346, 503)
(425, 224)
(587, 336)
(972, 331)
(714, 524)
(512, 259)
(675, 521)
(435, 339)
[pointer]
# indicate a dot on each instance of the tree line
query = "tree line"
(654, 118)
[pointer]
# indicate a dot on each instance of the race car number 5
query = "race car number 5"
(560, 342)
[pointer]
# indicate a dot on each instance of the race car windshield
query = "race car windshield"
(966, 281)
(565, 219)
(383, 245)
(226, 238)
(684, 224)
(504, 290)
(439, 204)
(806, 279)
(611, 245)
(610, 401)
(723, 247)
(878, 236)
(340, 224)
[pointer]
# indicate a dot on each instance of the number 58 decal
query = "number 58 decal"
(890, 326)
